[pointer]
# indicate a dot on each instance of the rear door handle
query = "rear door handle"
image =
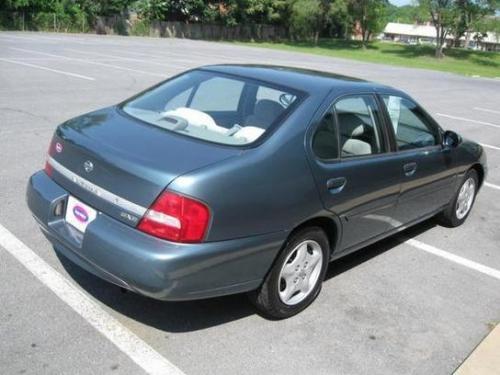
(335, 185)
(410, 169)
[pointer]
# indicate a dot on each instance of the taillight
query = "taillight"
(176, 218)
(48, 168)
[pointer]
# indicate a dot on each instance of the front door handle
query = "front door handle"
(410, 169)
(335, 185)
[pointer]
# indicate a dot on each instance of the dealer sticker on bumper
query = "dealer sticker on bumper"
(78, 214)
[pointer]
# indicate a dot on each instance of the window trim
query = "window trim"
(315, 130)
(279, 121)
(390, 129)
(312, 129)
(381, 125)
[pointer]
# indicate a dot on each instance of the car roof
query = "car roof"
(300, 79)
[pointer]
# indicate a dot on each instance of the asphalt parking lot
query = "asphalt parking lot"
(397, 307)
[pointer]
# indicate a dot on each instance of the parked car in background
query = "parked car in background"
(232, 178)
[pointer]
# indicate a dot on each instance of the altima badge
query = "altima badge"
(88, 166)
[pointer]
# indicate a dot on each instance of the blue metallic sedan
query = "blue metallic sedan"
(234, 178)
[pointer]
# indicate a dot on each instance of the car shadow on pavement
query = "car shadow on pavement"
(197, 315)
(363, 255)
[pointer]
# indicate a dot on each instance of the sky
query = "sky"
(400, 2)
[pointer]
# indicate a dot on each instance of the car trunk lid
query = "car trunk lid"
(120, 165)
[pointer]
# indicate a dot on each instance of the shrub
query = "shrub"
(140, 28)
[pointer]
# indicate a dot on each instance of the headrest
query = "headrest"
(265, 113)
(268, 108)
(351, 125)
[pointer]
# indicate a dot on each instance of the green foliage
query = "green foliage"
(406, 14)
(152, 9)
(140, 28)
(171, 10)
(443, 14)
(370, 16)
(60, 15)
(486, 24)
(263, 11)
(456, 17)
(469, 15)
(305, 17)
(340, 19)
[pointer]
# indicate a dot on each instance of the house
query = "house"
(411, 34)
(422, 34)
(485, 42)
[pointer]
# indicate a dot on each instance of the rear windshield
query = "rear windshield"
(213, 107)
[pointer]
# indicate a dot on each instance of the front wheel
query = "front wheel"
(295, 279)
(461, 205)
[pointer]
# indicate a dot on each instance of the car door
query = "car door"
(427, 180)
(356, 174)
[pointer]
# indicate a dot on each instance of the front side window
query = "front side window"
(214, 107)
(411, 127)
(359, 126)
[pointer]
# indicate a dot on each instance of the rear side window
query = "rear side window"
(412, 128)
(359, 126)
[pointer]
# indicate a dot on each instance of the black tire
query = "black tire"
(449, 216)
(267, 298)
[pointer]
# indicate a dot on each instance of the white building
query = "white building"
(421, 34)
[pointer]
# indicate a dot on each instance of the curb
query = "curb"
(485, 359)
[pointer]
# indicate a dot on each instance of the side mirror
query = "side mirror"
(451, 139)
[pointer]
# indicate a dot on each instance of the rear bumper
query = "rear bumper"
(156, 268)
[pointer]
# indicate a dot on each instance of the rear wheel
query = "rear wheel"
(295, 279)
(459, 208)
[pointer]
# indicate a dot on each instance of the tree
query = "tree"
(406, 14)
(339, 19)
(152, 9)
(369, 15)
(263, 11)
(171, 10)
(443, 14)
(305, 19)
(469, 15)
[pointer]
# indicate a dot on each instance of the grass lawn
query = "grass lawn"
(461, 61)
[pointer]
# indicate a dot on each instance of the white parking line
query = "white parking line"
(206, 59)
(15, 58)
(8, 38)
(156, 55)
(125, 58)
(455, 258)
(48, 69)
(43, 39)
(468, 120)
(486, 110)
(130, 344)
(490, 146)
(492, 185)
(89, 62)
